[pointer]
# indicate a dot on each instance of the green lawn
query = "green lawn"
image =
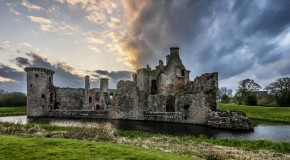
(275, 114)
(12, 111)
(17, 147)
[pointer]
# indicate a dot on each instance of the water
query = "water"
(263, 130)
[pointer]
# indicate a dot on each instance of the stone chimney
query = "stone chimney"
(104, 84)
(87, 84)
(174, 51)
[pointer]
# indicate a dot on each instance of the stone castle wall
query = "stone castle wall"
(161, 94)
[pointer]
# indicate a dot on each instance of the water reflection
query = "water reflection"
(271, 131)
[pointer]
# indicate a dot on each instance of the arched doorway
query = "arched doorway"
(98, 107)
(186, 107)
(170, 104)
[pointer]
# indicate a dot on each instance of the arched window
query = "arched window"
(98, 107)
(153, 87)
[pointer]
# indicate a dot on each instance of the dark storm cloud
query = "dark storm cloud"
(18, 78)
(21, 61)
(273, 20)
(114, 76)
(63, 73)
(159, 25)
(214, 35)
(11, 73)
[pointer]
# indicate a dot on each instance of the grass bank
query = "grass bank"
(12, 111)
(184, 146)
(275, 114)
(19, 147)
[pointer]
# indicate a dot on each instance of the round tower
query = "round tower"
(38, 96)
(104, 84)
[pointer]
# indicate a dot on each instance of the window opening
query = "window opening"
(182, 72)
(153, 87)
(170, 104)
(97, 96)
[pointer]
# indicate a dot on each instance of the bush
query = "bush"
(251, 100)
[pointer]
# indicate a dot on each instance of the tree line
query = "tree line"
(276, 93)
(12, 99)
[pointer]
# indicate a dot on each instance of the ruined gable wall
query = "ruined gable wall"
(206, 87)
(126, 101)
(70, 98)
(171, 80)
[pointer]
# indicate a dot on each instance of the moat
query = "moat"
(262, 129)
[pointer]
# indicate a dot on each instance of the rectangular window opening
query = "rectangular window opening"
(183, 72)
(97, 96)
(36, 75)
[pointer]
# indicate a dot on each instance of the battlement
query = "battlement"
(38, 69)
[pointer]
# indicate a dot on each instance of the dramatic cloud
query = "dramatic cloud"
(225, 36)
(98, 11)
(65, 75)
(22, 62)
(114, 76)
(238, 39)
(11, 79)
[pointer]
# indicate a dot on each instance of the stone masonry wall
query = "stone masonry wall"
(70, 98)
(126, 101)
(156, 103)
(236, 120)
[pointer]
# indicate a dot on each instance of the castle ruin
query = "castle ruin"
(164, 93)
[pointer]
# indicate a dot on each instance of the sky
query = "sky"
(114, 38)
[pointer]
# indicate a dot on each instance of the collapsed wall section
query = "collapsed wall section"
(126, 101)
(205, 88)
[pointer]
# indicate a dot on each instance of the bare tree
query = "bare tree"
(280, 89)
(225, 94)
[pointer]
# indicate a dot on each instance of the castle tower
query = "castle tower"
(87, 84)
(38, 96)
(104, 84)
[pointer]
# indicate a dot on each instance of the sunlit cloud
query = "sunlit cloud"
(31, 6)
(3, 79)
(45, 24)
(52, 26)
(97, 10)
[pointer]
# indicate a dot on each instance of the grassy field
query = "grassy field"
(275, 114)
(12, 111)
(183, 145)
(18, 147)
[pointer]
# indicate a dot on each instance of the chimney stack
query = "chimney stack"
(104, 84)
(174, 51)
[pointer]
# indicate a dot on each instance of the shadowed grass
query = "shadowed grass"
(16, 147)
(12, 111)
(282, 147)
(275, 114)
